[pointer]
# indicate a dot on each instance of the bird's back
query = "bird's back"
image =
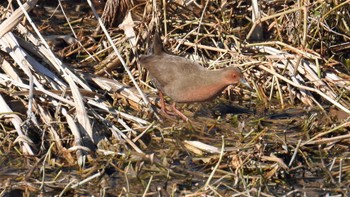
(166, 69)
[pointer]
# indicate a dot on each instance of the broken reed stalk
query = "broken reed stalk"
(118, 54)
(307, 88)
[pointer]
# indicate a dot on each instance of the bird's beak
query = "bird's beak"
(243, 81)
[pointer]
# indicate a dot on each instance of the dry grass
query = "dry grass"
(77, 110)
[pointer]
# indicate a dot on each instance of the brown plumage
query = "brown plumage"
(184, 80)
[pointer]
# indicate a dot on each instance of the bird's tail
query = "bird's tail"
(157, 44)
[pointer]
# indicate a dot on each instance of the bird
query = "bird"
(184, 80)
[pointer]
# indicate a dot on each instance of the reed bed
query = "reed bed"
(79, 115)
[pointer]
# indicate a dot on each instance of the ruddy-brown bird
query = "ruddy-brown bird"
(184, 80)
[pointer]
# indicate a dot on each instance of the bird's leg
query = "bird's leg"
(179, 113)
(167, 113)
(162, 103)
(163, 108)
